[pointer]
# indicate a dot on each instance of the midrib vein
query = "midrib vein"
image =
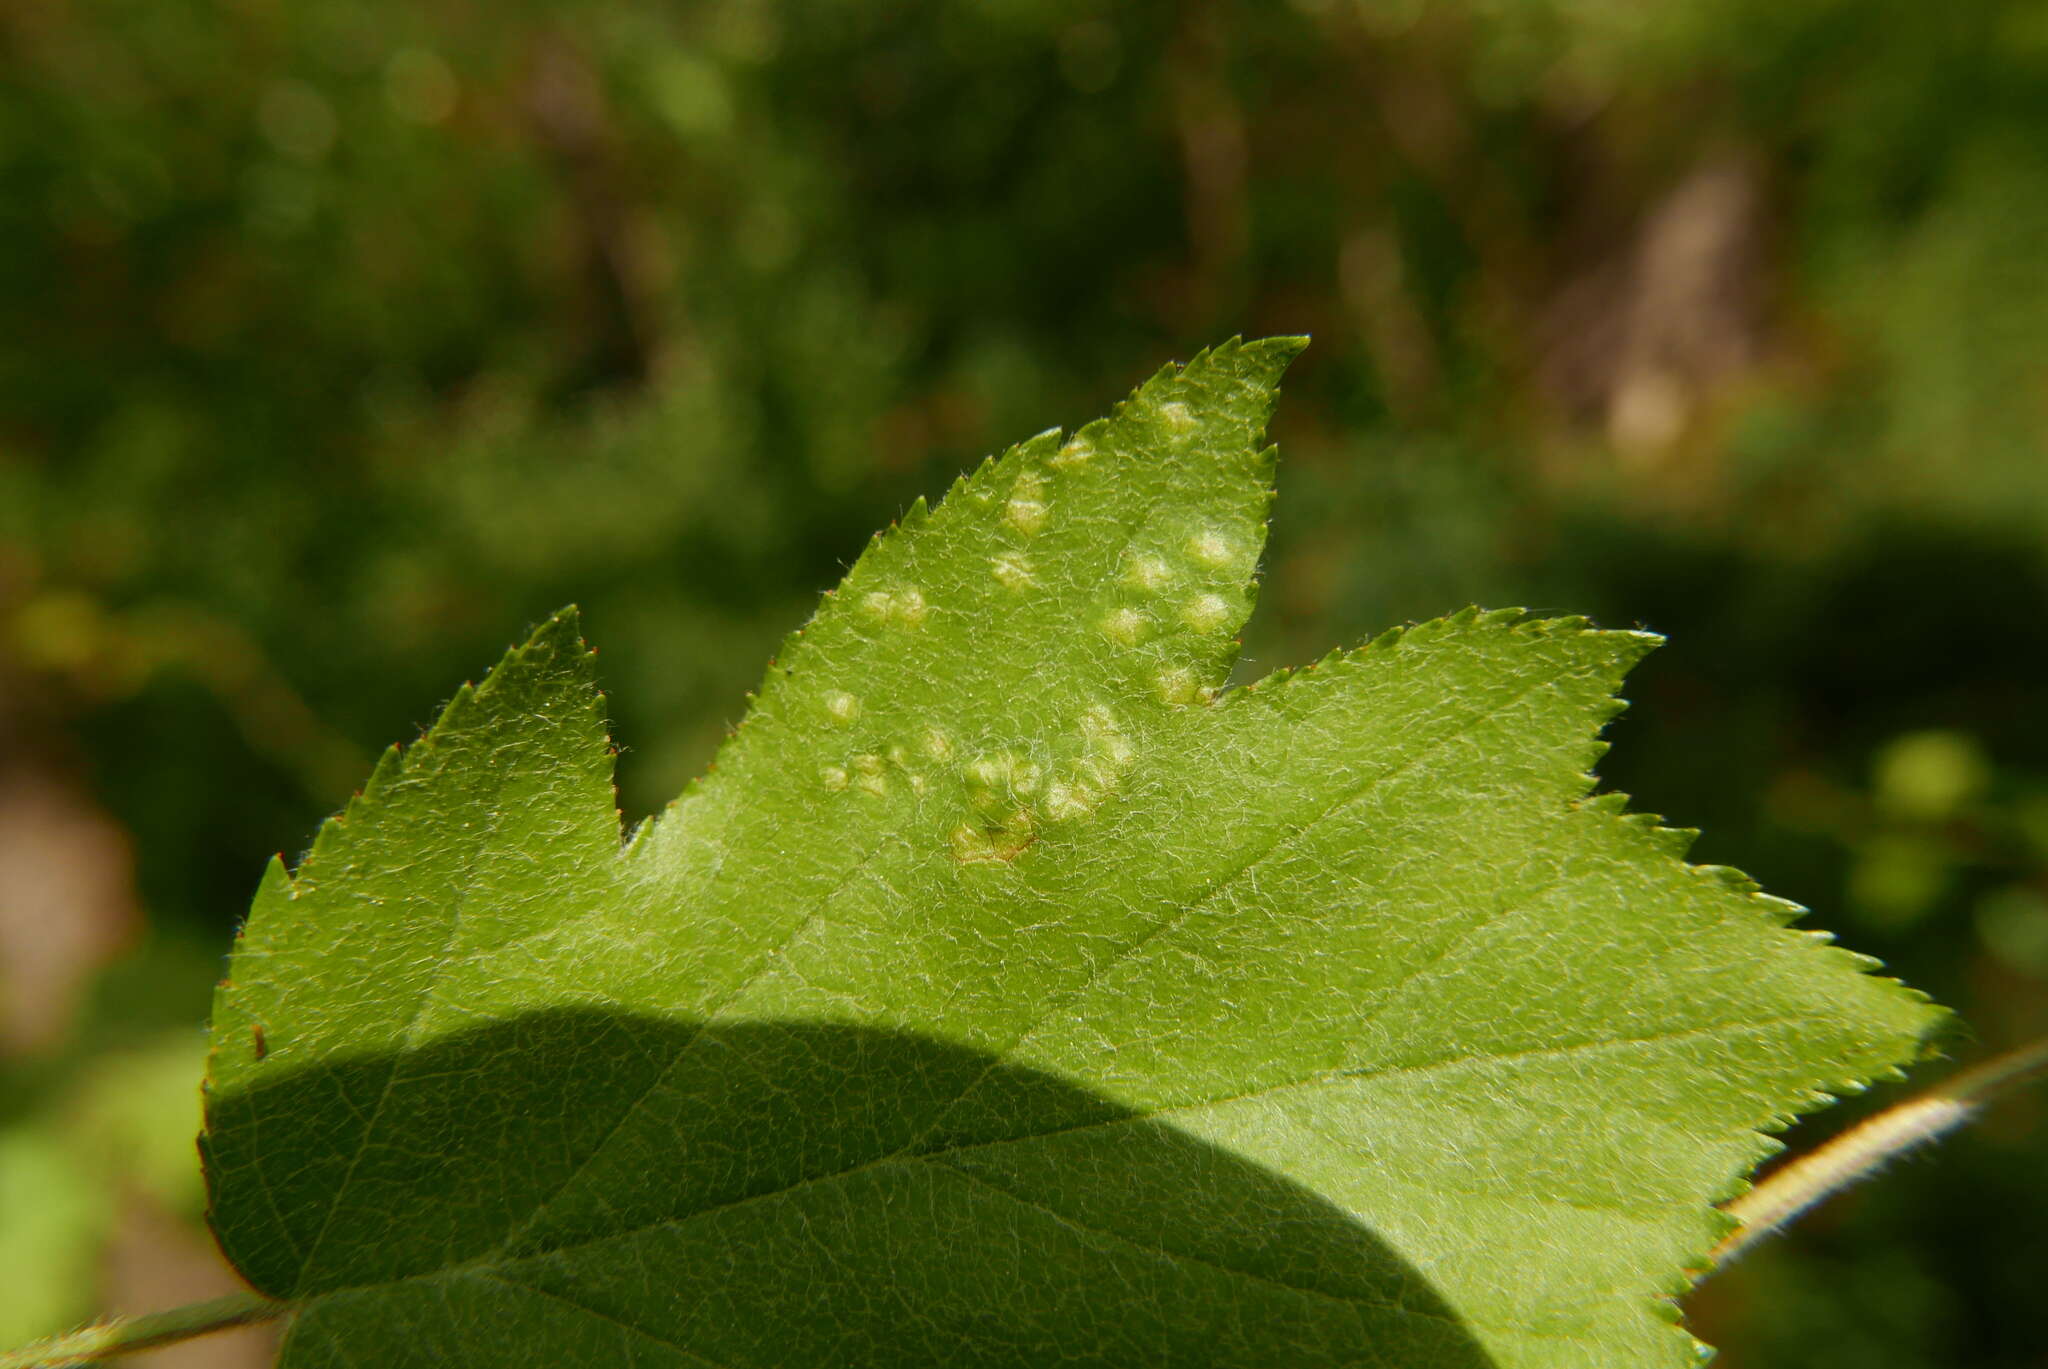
(419, 1015)
(1283, 835)
(493, 1263)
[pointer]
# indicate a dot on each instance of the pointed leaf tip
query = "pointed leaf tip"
(1275, 354)
(1258, 364)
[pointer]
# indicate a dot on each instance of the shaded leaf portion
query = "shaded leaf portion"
(499, 818)
(882, 1256)
(1007, 993)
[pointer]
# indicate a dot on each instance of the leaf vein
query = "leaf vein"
(1323, 1077)
(1218, 886)
(463, 887)
(597, 1313)
(1183, 1256)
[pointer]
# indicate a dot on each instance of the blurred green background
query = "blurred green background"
(340, 340)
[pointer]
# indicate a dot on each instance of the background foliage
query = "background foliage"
(344, 339)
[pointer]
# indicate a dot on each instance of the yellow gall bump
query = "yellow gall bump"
(1212, 549)
(904, 606)
(937, 744)
(989, 782)
(998, 846)
(1125, 626)
(1148, 572)
(1103, 739)
(1026, 511)
(997, 779)
(1090, 778)
(1064, 802)
(1206, 612)
(1025, 515)
(1003, 768)
(869, 775)
(833, 777)
(1077, 451)
(1012, 570)
(1179, 687)
(842, 706)
(1178, 417)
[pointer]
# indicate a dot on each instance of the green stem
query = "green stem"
(1865, 1147)
(124, 1335)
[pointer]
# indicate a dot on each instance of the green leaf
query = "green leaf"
(1010, 993)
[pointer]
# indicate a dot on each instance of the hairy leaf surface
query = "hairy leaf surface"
(1009, 993)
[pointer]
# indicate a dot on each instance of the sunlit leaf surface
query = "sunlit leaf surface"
(1011, 993)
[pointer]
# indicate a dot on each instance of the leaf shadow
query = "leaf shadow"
(781, 1193)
